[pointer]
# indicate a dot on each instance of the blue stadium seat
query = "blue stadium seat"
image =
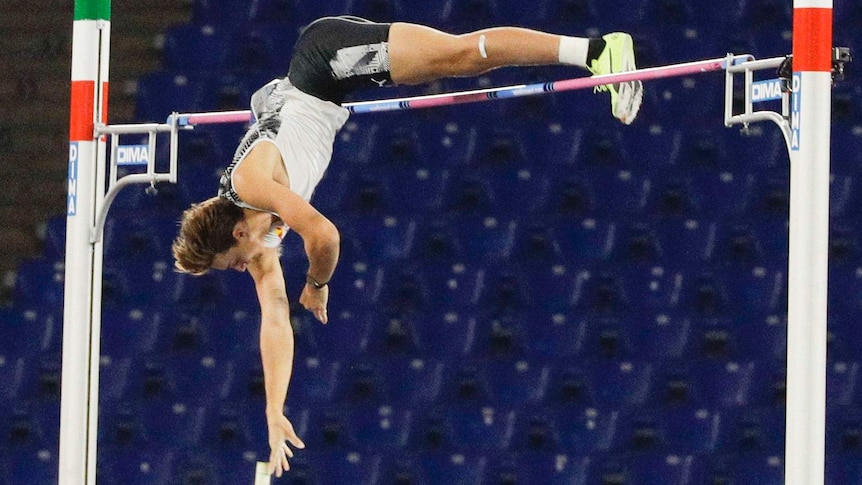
(446, 332)
(437, 241)
(121, 425)
(535, 242)
(588, 240)
(842, 383)
(535, 432)
(314, 381)
(503, 290)
(346, 466)
(473, 15)
(31, 465)
(16, 371)
(600, 292)
(622, 193)
(586, 429)
(726, 384)
(55, 238)
(608, 337)
(148, 464)
(555, 335)
(448, 142)
(480, 428)
(360, 383)
(162, 92)
(666, 469)
(516, 383)
(382, 238)
(518, 192)
(652, 288)
(129, 331)
(662, 335)
(262, 47)
(174, 423)
(41, 327)
(412, 382)
(448, 467)
(603, 148)
(843, 468)
(636, 243)
(685, 241)
(464, 383)
(753, 430)
(468, 194)
(842, 431)
(196, 47)
(704, 295)
(377, 428)
(762, 335)
(570, 385)
(357, 284)
(621, 382)
(415, 191)
(39, 283)
(554, 468)
(762, 468)
(757, 289)
(692, 98)
(685, 430)
(570, 196)
(761, 147)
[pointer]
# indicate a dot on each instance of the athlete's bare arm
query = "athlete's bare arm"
(255, 181)
(276, 351)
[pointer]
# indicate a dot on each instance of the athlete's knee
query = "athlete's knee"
(465, 55)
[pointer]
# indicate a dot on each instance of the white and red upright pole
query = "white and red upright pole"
(83, 277)
(809, 243)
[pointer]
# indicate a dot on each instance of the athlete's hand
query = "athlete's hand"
(281, 430)
(315, 300)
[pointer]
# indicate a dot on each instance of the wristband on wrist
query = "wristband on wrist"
(314, 283)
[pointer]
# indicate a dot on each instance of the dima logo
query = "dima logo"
(72, 195)
(133, 155)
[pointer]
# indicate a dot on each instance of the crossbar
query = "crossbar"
(445, 99)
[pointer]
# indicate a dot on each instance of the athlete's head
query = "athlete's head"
(206, 231)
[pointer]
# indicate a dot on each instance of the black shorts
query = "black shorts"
(337, 55)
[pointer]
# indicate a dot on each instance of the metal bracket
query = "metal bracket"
(151, 177)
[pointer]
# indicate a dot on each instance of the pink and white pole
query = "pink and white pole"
(809, 243)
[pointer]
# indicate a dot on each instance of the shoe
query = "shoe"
(618, 56)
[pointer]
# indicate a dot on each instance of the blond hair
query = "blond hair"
(206, 229)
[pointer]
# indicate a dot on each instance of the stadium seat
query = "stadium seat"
(570, 385)
(127, 331)
(162, 92)
(666, 469)
(636, 243)
(753, 430)
(413, 382)
(382, 238)
(450, 467)
(40, 283)
(518, 384)
(31, 465)
(621, 382)
(197, 47)
(554, 468)
(473, 428)
(174, 423)
(586, 430)
(842, 383)
(446, 332)
(762, 468)
(662, 335)
(684, 430)
(726, 384)
(377, 428)
(556, 335)
(535, 242)
(600, 292)
(587, 240)
(314, 381)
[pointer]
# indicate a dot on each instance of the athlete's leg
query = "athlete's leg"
(420, 54)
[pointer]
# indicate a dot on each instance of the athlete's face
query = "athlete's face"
(246, 249)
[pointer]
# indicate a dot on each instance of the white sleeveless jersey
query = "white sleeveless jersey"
(302, 127)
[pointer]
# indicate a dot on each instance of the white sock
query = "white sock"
(573, 50)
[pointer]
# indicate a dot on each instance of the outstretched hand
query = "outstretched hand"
(315, 301)
(281, 430)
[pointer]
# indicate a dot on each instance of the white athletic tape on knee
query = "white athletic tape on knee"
(482, 50)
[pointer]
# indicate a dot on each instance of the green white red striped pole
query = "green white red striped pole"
(809, 243)
(82, 305)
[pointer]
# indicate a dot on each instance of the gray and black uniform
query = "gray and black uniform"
(301, 113)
